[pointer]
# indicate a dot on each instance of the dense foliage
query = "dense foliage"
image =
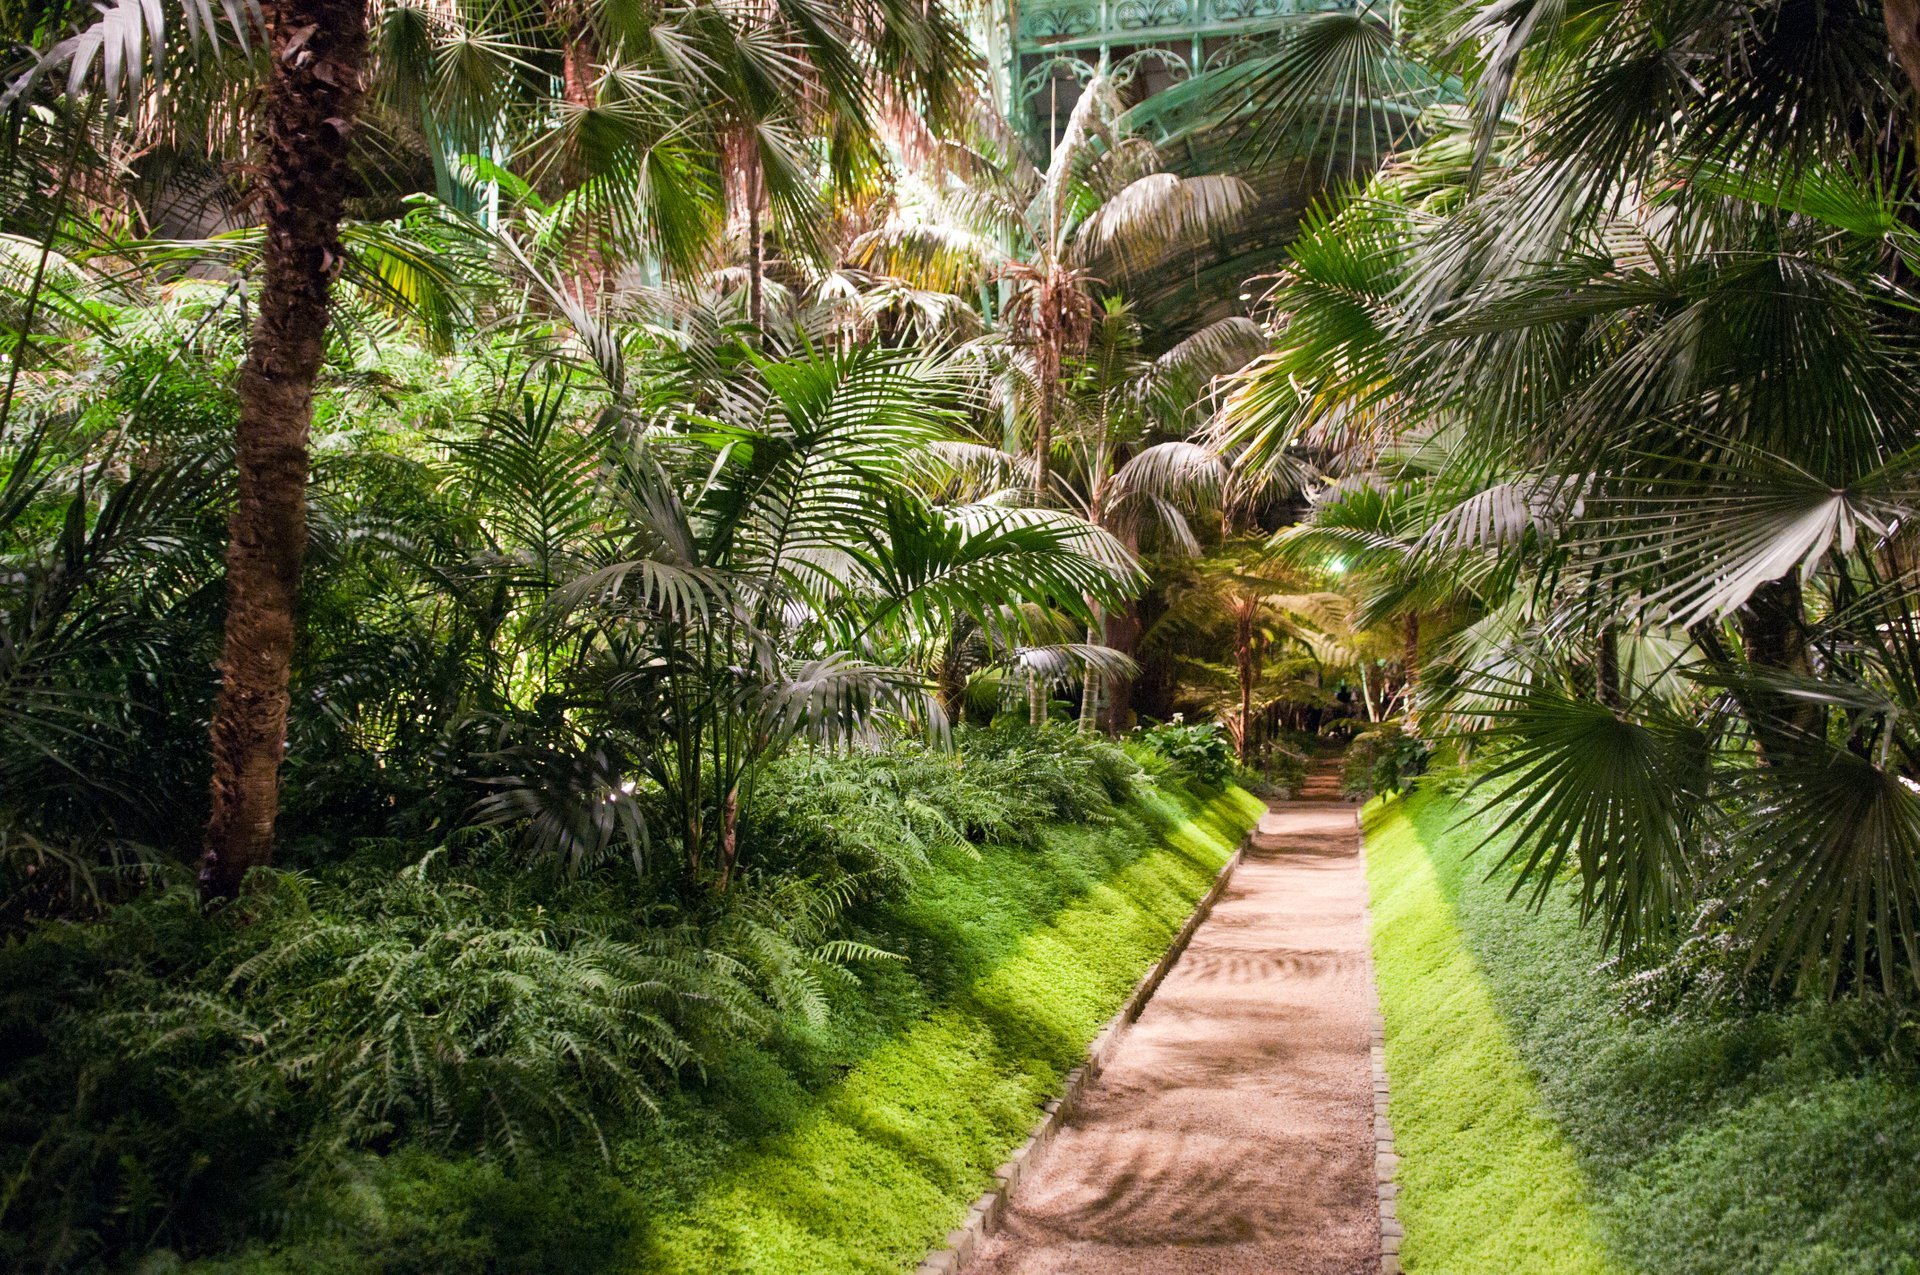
(535, 539)
(1613, 360)
(174, 1080)
(1667, 1109)
(1198, 749)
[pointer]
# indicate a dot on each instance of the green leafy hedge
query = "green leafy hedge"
(1783, 1140)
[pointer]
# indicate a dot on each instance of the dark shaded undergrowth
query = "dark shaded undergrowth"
(450, 1063)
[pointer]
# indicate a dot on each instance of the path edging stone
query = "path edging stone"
(1386, 1163)
(987, 1212)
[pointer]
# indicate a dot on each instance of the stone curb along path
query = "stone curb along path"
(1379, 1243)
(1386, 1163)
(983, 1219)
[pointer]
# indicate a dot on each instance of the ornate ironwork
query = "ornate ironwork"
(1046, 25)
(1059, 39)
(1079, 69)
(1144, 59)
(1150, 15)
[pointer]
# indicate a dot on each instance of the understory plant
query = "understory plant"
(1200, 750)
(177, 1080)
(1383, 760)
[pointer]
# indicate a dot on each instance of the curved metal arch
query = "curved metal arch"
(1131, 65)
(1242, 48)
(1033, 81)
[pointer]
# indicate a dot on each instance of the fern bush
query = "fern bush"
(880, 815)
(171, 1078)
(170, 1073)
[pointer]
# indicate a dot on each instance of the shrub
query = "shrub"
(169, 1073)
(1277, 774)
(1384, 759)
(1199, 751)
(879, 815)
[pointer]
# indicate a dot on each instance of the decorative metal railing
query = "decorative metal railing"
(1051, 47)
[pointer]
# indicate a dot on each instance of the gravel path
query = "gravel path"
(1232, 1129)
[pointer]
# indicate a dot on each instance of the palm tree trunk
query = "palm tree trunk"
(1047, 357)
(578, 63)
(1903, 32)
(1042, 440)
(1773, 630)
(1606, 670)
(1122, 625)
(579, 74)
(1093, 691)
(312, 97)
(756, 247)
(1243, 653)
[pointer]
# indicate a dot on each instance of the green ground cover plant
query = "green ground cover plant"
(452, 1064)
(870, 1172)
(1780, 1137)
(1487, 1182)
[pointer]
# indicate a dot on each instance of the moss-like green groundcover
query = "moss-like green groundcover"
(872, 1169)
(1542, 1129)
(1487, 1183)
(853, 1146)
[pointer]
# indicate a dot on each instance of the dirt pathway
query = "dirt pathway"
(1232, 1129)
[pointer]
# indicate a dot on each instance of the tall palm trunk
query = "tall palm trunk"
(756, 244)
(1122, 625)
(1903, 32)
(1244, 666)
(1773, 631)
(312, 97)
(578, 62)
(1093, 692)
(579, 80)
(1043, 428)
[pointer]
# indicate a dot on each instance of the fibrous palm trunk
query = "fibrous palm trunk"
(1773, 631)
(318, 50)
(579, 86)
(1243, 660)
(1903, 32)
(756, 245)
(1122, 625)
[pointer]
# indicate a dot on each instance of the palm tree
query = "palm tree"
(1650, 340)
(1128, 466)
(316, 51)
(752, 556)
(1239, 598)
(1059, 239)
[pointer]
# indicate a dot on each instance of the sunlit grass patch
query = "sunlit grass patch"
(1783, 1140)
(888, 1158)
(1487, 1181)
